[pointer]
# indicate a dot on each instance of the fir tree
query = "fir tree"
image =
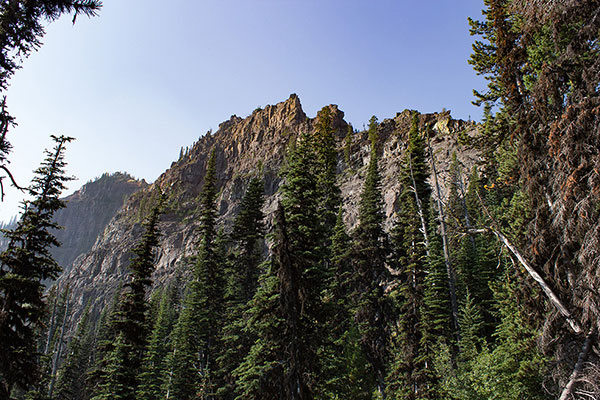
(437, 330)
(247, 236)
(193, 361)
(260, 376)
(370, 252)
(120, 378)
(25, 264)
(303, 273)
(248, 232)
(326, 154)
(153, 377)
(346, 369)
(70, 384)
(348, 145)
(410, 242)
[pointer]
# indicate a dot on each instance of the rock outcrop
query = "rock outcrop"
(88, 211)
(245, 147)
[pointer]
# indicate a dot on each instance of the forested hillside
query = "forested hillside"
(289, 257)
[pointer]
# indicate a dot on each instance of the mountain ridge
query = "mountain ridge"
(245, 147)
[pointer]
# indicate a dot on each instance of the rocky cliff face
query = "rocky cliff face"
(88, 211)
(244, 147)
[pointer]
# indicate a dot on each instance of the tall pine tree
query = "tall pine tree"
(120, 378)
(410, 241)
(370, 253)
(247, 238)
(25, 264)
(192, 363)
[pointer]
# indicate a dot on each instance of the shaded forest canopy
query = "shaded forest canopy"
(303, 277)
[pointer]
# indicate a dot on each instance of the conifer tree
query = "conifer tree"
(326, 154)
(248, 232)
(290, 354)
(346, 369)
(120, 378)
(410, 242)
(261, 374)
(25, 264)
(302, 276)
(370, 252)
(70, 384)
(153, 376)
(193, 362)
(348, 145)
(436, 327)
(247, 237)
(104, 337)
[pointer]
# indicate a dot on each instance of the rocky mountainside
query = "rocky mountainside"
(88, 211)
(246, 147)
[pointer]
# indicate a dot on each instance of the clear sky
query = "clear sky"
(147, 77)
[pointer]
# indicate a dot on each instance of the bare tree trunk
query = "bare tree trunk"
(419, 208)
(533, 273)
(449, 269)
(578, 367)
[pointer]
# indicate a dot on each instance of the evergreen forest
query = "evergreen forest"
(485, 283)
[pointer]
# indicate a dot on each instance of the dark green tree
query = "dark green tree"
(260, 376)
(370, 253)
(25, 264)
(248, 241)
(348, 145)
(302, 276)
(326, 155)
(345, 368)
(198, 329)
(248, 235)
(123, 360)
(287, 344)
(70, 383)
(153, 376)
(410, 240)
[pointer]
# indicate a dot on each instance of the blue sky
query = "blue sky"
(145, 78)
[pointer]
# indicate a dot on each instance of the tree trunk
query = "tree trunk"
(578, 367)
(419, 208)
(533, 273)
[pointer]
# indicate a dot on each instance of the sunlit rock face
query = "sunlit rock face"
(247, 147)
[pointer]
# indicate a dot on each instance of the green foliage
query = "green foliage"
(514, 368)
(153, 378)
(260, 375)
(196, 335)
(348, 145)
(25, 264)
(370, 253)
(301, 249)
(71, 380)
(242, 282)
(326, 155)
(410, 372)
(123, 359)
